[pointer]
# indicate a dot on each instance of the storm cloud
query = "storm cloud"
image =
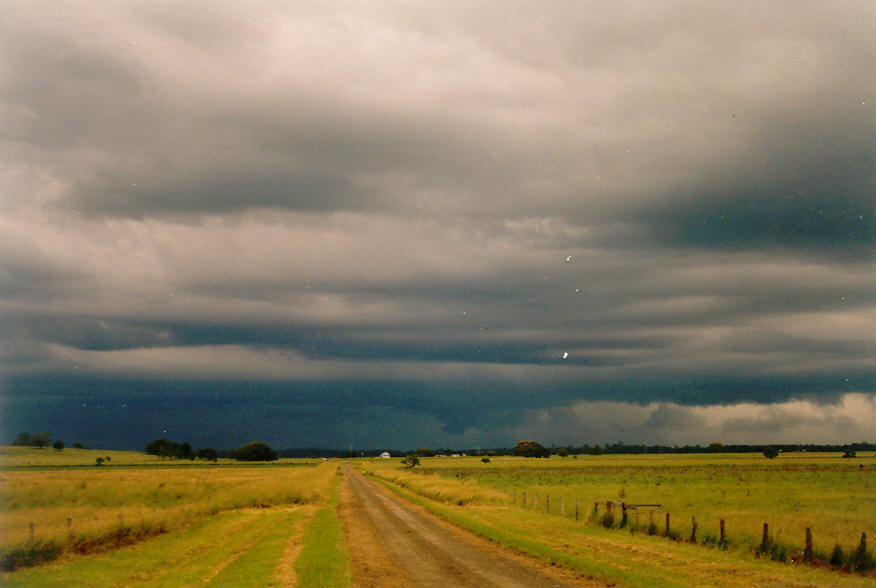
(396, 224)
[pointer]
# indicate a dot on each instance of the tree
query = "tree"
(716, 447)
(23, 439)
(424, 452)
(59, 445)
(410, 461)
(41, 440)
(99, 461)
(207, 453)
(563, 452)
(531, 449)
(161, 447)
(78, 445)
(770, 452)
(255, 451)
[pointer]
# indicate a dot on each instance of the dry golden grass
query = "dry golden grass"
(48, 512)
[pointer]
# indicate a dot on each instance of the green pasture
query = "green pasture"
(620, 558)
(834, 497)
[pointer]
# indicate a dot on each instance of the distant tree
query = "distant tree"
(108, 458)
(41, 440)
(596, 450)
(531, 449)
(411, 461)
(207, 453)
(59, 445)
(716, 447)
(424, 452)
(78, 445)
(23, 439)
(184, 451)
(161, 447)
(563, 452)
(770, 452)
(850, 453)
(255, 451)
(99, 461)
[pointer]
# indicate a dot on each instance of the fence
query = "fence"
(858, 560)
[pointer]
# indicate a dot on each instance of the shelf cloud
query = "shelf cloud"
(403, 225)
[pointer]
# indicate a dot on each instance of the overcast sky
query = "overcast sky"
(450, 224)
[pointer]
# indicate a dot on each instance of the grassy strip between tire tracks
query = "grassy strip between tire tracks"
(620, 558)
(324, 561)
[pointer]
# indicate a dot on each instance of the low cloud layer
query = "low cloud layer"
(490, 213)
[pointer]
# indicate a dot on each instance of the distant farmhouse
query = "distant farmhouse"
(385, 455)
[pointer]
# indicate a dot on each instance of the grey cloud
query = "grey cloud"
(532, 205)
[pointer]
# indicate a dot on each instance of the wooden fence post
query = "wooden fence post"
(524, 499)
(693, 529)
(69, 522)
(765, 539)
(807, 552)
(547, 503)
(667, 525)
(863, 547)
(722, 531)
(576, 510)
(595, 508)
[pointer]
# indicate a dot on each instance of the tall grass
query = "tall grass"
(47, 513)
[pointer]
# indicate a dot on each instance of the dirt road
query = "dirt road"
(394, 543)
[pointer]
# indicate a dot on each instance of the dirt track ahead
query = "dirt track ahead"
(394, 543)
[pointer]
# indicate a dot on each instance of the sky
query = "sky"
(455, 224)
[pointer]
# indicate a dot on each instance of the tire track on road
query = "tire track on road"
(433, 555)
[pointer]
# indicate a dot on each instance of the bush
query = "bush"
(771, 453)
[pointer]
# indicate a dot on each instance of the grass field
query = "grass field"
(141, 521)
(834, 497)
(54, 513)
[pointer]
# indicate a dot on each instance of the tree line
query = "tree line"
(255, 451)
(41, 440)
